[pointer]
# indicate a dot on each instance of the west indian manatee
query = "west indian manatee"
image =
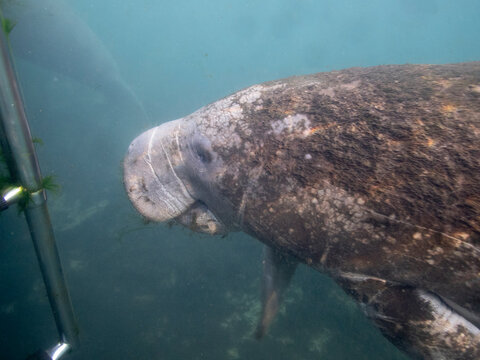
(371, 175)
(50, 34)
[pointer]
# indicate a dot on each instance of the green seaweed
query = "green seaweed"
(8, 25)
(49, 183)
(7, 181)
(23, 202)
(37, 140)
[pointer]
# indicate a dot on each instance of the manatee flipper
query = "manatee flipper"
(416, 321)
(278, 269)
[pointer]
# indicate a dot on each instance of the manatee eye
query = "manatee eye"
(203, 153)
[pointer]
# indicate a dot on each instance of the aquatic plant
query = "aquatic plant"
(37, 140)
(7, 181)
(7, 25)
(48, 183)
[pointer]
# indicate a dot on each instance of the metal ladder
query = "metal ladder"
(16, 142)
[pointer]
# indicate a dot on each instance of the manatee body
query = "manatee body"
(371, 175)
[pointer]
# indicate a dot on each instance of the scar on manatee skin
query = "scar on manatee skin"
(144, 186)
(319, 128)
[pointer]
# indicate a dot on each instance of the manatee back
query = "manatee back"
(373, 171)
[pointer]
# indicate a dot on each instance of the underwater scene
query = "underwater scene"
(96, 74)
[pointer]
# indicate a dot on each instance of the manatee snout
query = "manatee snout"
(150, 173)
(157, 180)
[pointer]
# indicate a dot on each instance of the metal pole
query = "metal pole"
(27, 171)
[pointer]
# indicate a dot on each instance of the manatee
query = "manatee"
(370, 175)
(51, 35)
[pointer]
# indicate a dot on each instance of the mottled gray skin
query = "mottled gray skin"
(371, 175)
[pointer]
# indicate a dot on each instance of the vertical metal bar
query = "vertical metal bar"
(26, 169)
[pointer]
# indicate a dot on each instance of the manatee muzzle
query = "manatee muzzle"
(150, 173)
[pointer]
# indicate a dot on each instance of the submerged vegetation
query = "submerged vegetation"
(48, 183)
(37, 140)
(7, 25)
(7, 181)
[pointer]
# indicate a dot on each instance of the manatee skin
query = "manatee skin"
(371, 175)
